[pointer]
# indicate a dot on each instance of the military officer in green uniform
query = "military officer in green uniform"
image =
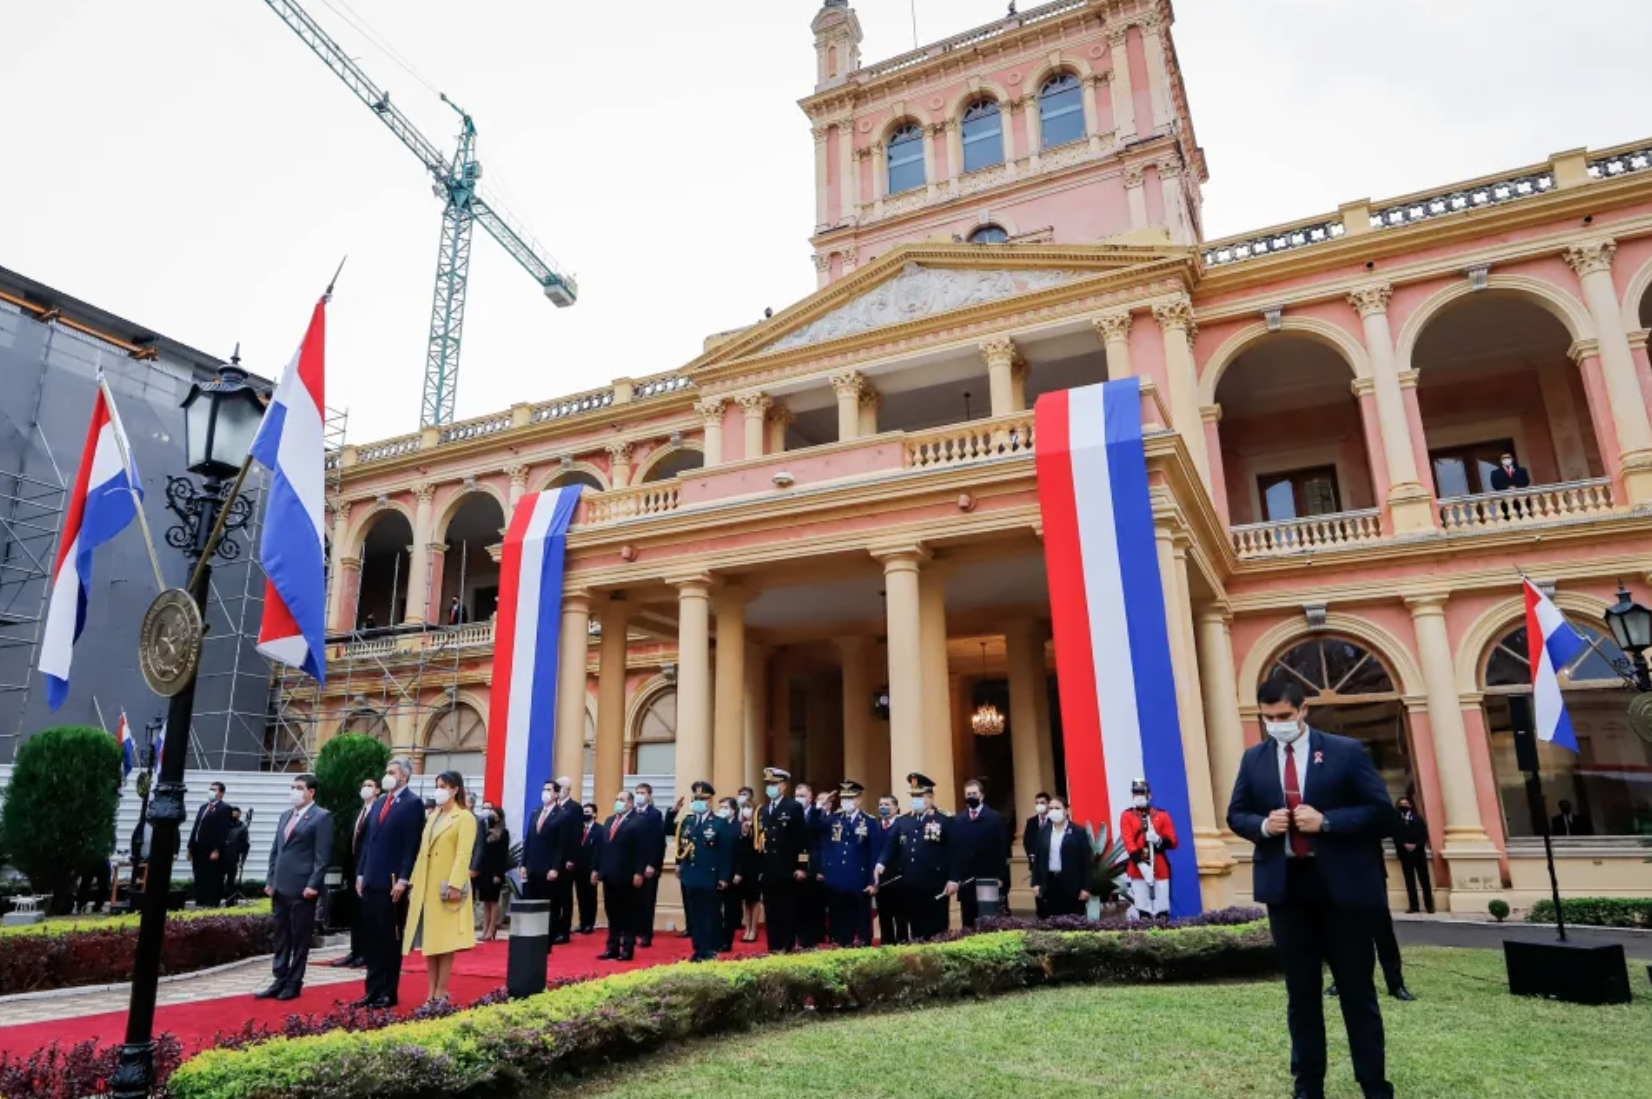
(705, 865)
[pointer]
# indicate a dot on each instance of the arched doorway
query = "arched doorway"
(674, 464)
(469, 572)
(381, 599)
(366, 721)
(1352, 693)
(1608, 782)
(654, 736)
(576, 477)
(457, 741)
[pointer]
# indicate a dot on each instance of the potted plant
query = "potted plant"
(1106, 884)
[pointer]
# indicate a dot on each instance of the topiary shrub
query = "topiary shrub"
(1499, 910)
(59, 816)
(343, 763)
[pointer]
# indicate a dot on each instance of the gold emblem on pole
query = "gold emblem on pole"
(169, 644)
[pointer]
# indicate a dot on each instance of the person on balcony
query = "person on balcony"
(1509, 475)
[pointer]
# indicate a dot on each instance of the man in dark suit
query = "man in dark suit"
(395, 824)
(1569, 823)
(544, 847)
(357, 957)
(1030, 833)
(649, 898)
(625, 844)
(981, 842)
(209, 848)
(1411, 847)
(811, 891)
(1509, 475)
(1317, 811)
(585, 889)
(783, 842)
(892, 926)
(570, 817)
(921, 854)
(1061, 862)
(299, 854)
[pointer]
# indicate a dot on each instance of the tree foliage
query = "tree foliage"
(59, 815)
(344, 762)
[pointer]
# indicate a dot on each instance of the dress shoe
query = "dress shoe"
(608, 956)
(271, 992)
(1332, 991)
(364, 1002)
(1403, 995)
(645, 940)
(627, 955)
(288, 993)
(1412, 911)
(560, 940)
(349, 961)
(383, 1003)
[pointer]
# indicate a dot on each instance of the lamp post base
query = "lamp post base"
(134, 1075)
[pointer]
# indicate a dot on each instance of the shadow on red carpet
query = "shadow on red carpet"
(475, 974)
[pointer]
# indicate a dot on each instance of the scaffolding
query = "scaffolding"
(33, 515)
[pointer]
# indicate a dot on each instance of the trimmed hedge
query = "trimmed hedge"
(130, 920)
(63, 956)
(503, 1049)
(1635, 912)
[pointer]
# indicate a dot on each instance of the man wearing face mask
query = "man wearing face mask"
(811, 893)
(358, 953)
(1317, 811)
(1031, 833)
(1411, 847)
(1509, 475)
(208, 848)
(585, 891)
(728, 811)
(922, 854)
(847, 856)
(570, 821)
(649, 898)
(299, 854)
(1148, 835)
(543, 847)
(705, 866)
(625, 843)
(783, 841)
(390, 845)
(983, 844)
(892, 927)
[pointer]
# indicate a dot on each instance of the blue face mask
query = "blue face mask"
(697, 806)
(772, 791)
(885, 811)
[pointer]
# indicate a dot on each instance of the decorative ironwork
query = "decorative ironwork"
(1620, 164)
(1285, 240)
(1456, 202)
(197, 510)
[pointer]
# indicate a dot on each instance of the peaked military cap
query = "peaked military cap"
(849, 788)
(920, 784)
(703, 789)
(775, 774)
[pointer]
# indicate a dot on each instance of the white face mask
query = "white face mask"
(547, 798)
(642, 800)
(725, 813)
(850, 805)
(296, 797)
(443, 795)
(368, 793)
(1043, 808)
(1283, 731)
(388, 782)
(212, 795)
(918, 803)
(619, 805)
(741, 800)
(1139, 802)
(745, 814)
(1058, 816)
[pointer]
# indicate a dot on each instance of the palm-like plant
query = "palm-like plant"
(1107, 863)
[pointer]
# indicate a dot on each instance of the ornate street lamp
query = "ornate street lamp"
(220, 419)
(1631, 626)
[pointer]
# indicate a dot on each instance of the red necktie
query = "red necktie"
(292, 822)
(1293, 798)
(613, 828)
(543, 813)
(385, 812)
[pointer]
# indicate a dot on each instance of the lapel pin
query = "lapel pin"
(1319, 757)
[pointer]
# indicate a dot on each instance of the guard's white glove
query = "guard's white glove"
(1152, 836)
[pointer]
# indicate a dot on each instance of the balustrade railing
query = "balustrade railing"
(390, 448)
(1316, 532)
(1469, 198)
(569, 406)
(1267, 244)
(475, 429)
(1517, 507)
(635, 502)
(978, 441)
(1617, 164)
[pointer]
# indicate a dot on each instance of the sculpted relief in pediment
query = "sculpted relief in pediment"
(919, 292)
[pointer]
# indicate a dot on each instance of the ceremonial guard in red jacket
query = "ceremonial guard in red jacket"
(1147, 834)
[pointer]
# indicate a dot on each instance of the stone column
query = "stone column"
(619, 464)
(418, 580)
(1365, 392)
(931, 131)
(780, 418)
(1035, 155)
(1006, 115)
(1592, 262)
(1409, 504)
(940, 761)
(1001, 356)
(1220, 686)
(729, 724)
(953, 131)
(1092, 121)
(1176, 216)
(1124, 103)
(754, 407)
(906, 703)
(822, 181)
(847, 188)
(1158, 78)
(848, 387)
(570, 688)
(1215, 863)
(1135, 194)
(857, 715)
(1114, 330)
(1211, 416)
(870, 401)
(1419, 438)
(1468, 849)
(518, 474)
(1586, 353)
(1175, 319)
(711, 418)
(1024, 651)
(694, 748)
(435, 565)
(336, 582)
(609, 766)
(823, 270)
(756, 715)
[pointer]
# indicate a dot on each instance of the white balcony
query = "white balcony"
(1526, 506)
(1339, 530)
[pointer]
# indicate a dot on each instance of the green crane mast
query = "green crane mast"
(457, 184)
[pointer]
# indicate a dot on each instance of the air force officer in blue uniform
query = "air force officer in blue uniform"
(849, 845)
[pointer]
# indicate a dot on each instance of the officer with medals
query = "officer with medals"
(705, 865)
(782, 838)
(848, 853)
(920, 854)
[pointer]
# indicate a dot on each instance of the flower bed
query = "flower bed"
(1633, 912)
(583, 1025)
(128, 920)
(72, 953)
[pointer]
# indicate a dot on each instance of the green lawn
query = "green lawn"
(1465, 1037)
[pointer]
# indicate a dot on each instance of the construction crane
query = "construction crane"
(458, 180)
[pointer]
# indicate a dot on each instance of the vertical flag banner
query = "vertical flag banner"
(1551, 644)
(522, 720)
(1112, 645)
(105, 499)
(289, 444)
(128, 748)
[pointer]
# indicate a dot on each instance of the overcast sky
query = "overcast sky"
(190, 165)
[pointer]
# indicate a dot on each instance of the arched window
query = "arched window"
(1061, 110)
(906, 159)
(656, 735)
(458, 736)
(1607, 783)
(1351, 693)
(983, 136)
(365, 721)
(989, 234)
(675, 464)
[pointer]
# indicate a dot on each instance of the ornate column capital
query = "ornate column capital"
(711, 408)
(1150, 22)
(518, 474)
(1000, 350)
(1134, 175)
(1363, 387)
(848, 384)
(823, 263)
(1177, 313)
(424, 492)
(1587, 257)
(755, 404)
(1169, 168)
(1113, 326)
(619, 453)
(340, 510)
(1427, 604)
(1408, 378)
(870, 398)
(1118, 35)
(1095, 80)
(780, 414)
(822, 133)
(1371, 301)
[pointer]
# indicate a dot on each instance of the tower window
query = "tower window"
(983, 136)
(906, 159)
(1061, 110)
(989, 234)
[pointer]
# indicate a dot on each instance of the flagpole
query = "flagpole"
(104, 724)
(137, 500)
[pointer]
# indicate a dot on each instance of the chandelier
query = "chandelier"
(987, 720)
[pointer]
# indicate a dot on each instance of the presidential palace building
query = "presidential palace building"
(819, 544)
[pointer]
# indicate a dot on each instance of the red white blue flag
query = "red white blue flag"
(522, 721)
(289, 444)
(1112, 646)
(106, 498)
(1551, 644)
(128, 748)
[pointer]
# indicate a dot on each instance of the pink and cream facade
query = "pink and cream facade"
(819, 543)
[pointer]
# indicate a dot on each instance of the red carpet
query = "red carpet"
(475, 974)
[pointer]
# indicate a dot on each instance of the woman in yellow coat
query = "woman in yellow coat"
(439, 918)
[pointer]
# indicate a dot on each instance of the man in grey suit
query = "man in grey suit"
(299, 854)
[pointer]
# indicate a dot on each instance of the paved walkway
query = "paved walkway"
(1434, 931)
